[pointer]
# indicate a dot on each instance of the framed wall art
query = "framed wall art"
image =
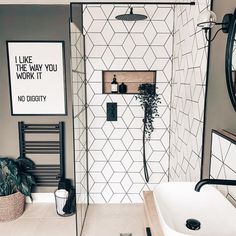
(37, 77)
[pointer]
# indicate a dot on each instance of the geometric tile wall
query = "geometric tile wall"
(188, 93)
(115, 148)
(223, 163)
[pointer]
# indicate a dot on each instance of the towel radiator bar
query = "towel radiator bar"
(45, 174)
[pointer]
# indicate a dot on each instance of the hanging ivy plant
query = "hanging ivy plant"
(149, 102)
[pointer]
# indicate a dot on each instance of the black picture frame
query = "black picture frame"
(63, 91)
(223, 134)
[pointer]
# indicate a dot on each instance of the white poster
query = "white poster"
(37, 82)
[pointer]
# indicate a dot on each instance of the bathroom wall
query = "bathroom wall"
(223, 163)
(220, 113)
(188, 93)
(115, 148)
(30, 22)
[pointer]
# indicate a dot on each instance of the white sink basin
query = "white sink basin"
(177, 201)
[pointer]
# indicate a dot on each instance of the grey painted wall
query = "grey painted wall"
(33, 23)
(220, 113)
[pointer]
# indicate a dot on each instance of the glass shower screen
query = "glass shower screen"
(80, 123)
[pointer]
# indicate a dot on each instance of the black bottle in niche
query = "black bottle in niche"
(114, 85)
(122, 88)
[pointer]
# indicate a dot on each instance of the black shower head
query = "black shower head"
(131, 16)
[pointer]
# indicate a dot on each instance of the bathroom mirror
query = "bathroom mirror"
(230, 61)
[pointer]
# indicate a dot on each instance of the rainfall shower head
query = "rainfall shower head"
(131, 16)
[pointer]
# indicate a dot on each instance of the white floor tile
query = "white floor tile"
(113, 219)
(40, 219)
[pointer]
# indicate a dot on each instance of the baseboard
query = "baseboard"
(41, 198)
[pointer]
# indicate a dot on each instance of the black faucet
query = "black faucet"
(214, 182)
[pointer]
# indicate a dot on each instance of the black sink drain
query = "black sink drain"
(193, 224)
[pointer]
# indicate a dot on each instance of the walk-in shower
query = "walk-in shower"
(138, 37)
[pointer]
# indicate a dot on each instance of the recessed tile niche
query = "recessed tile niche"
(132, 79)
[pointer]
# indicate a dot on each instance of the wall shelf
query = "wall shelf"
(132, 79)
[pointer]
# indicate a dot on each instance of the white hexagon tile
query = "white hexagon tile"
(188, 93)
(168, 42)
(117, 45)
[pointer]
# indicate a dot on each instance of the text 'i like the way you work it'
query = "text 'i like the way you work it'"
(26, 69)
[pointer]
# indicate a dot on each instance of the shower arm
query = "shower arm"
(131, 10)
(192, 3)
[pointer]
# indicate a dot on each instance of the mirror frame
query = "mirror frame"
(228, 59)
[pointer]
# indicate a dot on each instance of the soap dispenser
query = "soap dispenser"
(122, 88)
(114, 85)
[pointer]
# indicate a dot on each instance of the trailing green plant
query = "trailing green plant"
(149, 100)
(149, 103)
(14, 176)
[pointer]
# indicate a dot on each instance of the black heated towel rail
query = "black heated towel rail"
(44, 139)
